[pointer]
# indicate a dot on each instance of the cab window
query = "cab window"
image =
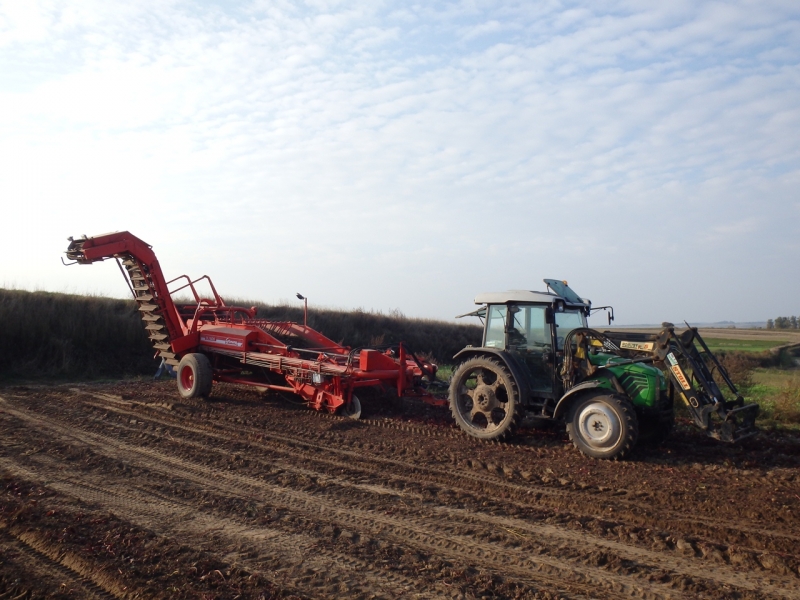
(567, 321)
(532, 332)
(496, 327)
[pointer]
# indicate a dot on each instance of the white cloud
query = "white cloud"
(407, 156)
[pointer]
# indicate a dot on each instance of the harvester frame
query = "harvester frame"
(211, 341)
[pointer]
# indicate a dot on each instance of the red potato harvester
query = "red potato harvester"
(210, 341)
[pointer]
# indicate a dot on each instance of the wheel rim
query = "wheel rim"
(599, 426)
(352, 410)
(186, 378)
(483, 399)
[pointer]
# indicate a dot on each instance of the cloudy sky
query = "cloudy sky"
(398, 156)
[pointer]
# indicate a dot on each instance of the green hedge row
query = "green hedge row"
(44, 334)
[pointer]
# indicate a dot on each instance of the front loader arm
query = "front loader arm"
(687, 361)
(691, 370)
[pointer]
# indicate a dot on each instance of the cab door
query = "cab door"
(529, 338)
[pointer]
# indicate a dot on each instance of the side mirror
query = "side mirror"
(548, 315)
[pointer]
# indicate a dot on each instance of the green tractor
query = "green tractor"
(539, 358)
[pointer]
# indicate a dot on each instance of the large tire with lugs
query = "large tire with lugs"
(484, 399)
(195, 376)
(603, 425)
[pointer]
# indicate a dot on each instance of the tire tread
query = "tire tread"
(491, 363)
(628, 414)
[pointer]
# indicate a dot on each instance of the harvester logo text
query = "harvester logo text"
(641, 346)
(676, 370)
(223, 341)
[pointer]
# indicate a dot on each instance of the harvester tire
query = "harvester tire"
(484, 399)
(603, 425)
(195, 376)
(352, 410)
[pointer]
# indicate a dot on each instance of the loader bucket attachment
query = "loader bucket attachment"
(739, 423)
(692, 367)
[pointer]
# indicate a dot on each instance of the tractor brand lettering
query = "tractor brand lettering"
(672, 360)
(223, 341)
(676, 370)
(642, 346)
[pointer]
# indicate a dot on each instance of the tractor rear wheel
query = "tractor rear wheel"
(603, 425)
(195, 376)
(484, 399)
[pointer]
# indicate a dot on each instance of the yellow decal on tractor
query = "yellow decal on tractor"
(641, 346)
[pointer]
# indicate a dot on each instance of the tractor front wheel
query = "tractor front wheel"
(603, 425)
(484, 399)
(194, 376)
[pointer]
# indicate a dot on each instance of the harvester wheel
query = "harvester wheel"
(603, 425)
(194, 376)
(484, 399)
(353, 410)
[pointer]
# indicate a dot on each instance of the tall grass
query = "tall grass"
(61, 335)
(770, 379)
(44, 334)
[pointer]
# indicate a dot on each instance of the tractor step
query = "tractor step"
(165, 347)
(154, 327)
(144, 298)
(148, 307)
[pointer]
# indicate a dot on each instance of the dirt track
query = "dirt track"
(123, 491)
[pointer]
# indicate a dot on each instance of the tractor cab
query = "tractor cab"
(538, 358)
(529, 328)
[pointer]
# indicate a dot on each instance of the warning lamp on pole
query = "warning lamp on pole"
(305, 308)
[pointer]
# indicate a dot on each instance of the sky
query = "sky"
(393, 156)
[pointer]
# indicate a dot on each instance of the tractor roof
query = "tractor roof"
(515, 296)
(560, 291)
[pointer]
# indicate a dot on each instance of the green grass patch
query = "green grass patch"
(444, 372)
(732, 345)
(777, 391)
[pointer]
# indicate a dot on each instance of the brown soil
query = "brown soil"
(125, 491)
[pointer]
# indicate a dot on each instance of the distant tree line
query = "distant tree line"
(783, 323)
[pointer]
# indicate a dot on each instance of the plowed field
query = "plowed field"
(126, 491)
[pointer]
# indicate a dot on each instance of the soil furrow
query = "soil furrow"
(315, 505)
(325, 507)
(554, 498)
